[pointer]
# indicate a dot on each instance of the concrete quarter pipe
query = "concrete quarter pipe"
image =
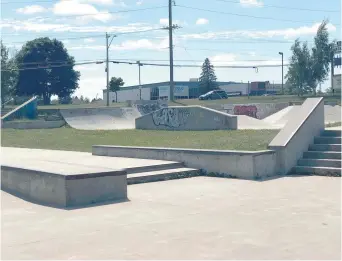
(101, 118)
(108, 118)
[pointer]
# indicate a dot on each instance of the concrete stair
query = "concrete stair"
(162, 172)
(323, 157)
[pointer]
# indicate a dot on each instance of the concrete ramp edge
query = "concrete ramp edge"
(299, 132)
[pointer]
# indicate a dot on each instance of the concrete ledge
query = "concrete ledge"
(240, 164)
(38, 124)
(64, 190)
(296, 136)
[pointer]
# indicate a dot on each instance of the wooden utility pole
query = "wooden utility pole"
(107, 68)
(107, 65)
(171, 50)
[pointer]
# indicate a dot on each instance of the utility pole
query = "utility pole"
(107, 64)
(282, 72)
(107, 68)
(332, 73)
(248, 89)
(171, 50)
(139, 64)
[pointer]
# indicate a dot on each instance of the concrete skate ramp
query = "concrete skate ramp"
(101, 118)
(279, 119)
(187, 118)
(255, 110)
(250, 123)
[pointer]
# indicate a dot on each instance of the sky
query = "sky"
(228, 32)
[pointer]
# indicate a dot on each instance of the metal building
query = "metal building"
(161, 90)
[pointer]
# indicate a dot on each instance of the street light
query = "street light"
(282, 72)
(139, 64)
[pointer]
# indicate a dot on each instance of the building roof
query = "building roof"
(157, 84)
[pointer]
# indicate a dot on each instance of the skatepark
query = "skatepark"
(125, 118)
(179, 203)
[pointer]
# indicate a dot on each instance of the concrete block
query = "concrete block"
(187, 118)
(63, 190)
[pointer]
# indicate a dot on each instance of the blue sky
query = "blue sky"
(229, 32)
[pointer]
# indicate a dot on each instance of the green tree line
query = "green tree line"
(42, 67)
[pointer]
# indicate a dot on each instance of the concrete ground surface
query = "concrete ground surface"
(71, 162)
(196, 218)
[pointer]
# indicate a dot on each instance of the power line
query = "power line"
(112, 12)
(199, 66)
(68, 64)
(92, 36)
(285, 7)
(180, 60)
(243, 15)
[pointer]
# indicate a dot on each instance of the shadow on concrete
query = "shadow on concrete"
(104, 203)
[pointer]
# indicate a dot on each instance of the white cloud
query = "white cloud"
(74, 7)
(251, 3)
(89, 40)
(31, 9)
(202, 21)
(287, 33)
(44, 26)
(140, 44)
(140, 2)
(164, 21)
(230, 59)
(222, 59)
(100, 2)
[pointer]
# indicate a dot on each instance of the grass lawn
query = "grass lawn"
(80, 140)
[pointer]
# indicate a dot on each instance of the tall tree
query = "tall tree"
(8, 74)
(208, 78)
(46, 70)
(307, 68)
(320, 57)
(298, 71)
(115, 84)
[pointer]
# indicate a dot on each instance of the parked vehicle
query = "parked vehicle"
(214, 95)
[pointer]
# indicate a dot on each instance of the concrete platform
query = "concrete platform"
(75, 179)
(199, 218)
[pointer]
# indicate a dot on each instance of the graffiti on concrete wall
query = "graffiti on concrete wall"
(249, 110)
(258, 111)
(170, 117)
(148, 108)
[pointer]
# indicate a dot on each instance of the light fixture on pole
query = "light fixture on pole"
(282, 72)
(139, 64)
(107, 63)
